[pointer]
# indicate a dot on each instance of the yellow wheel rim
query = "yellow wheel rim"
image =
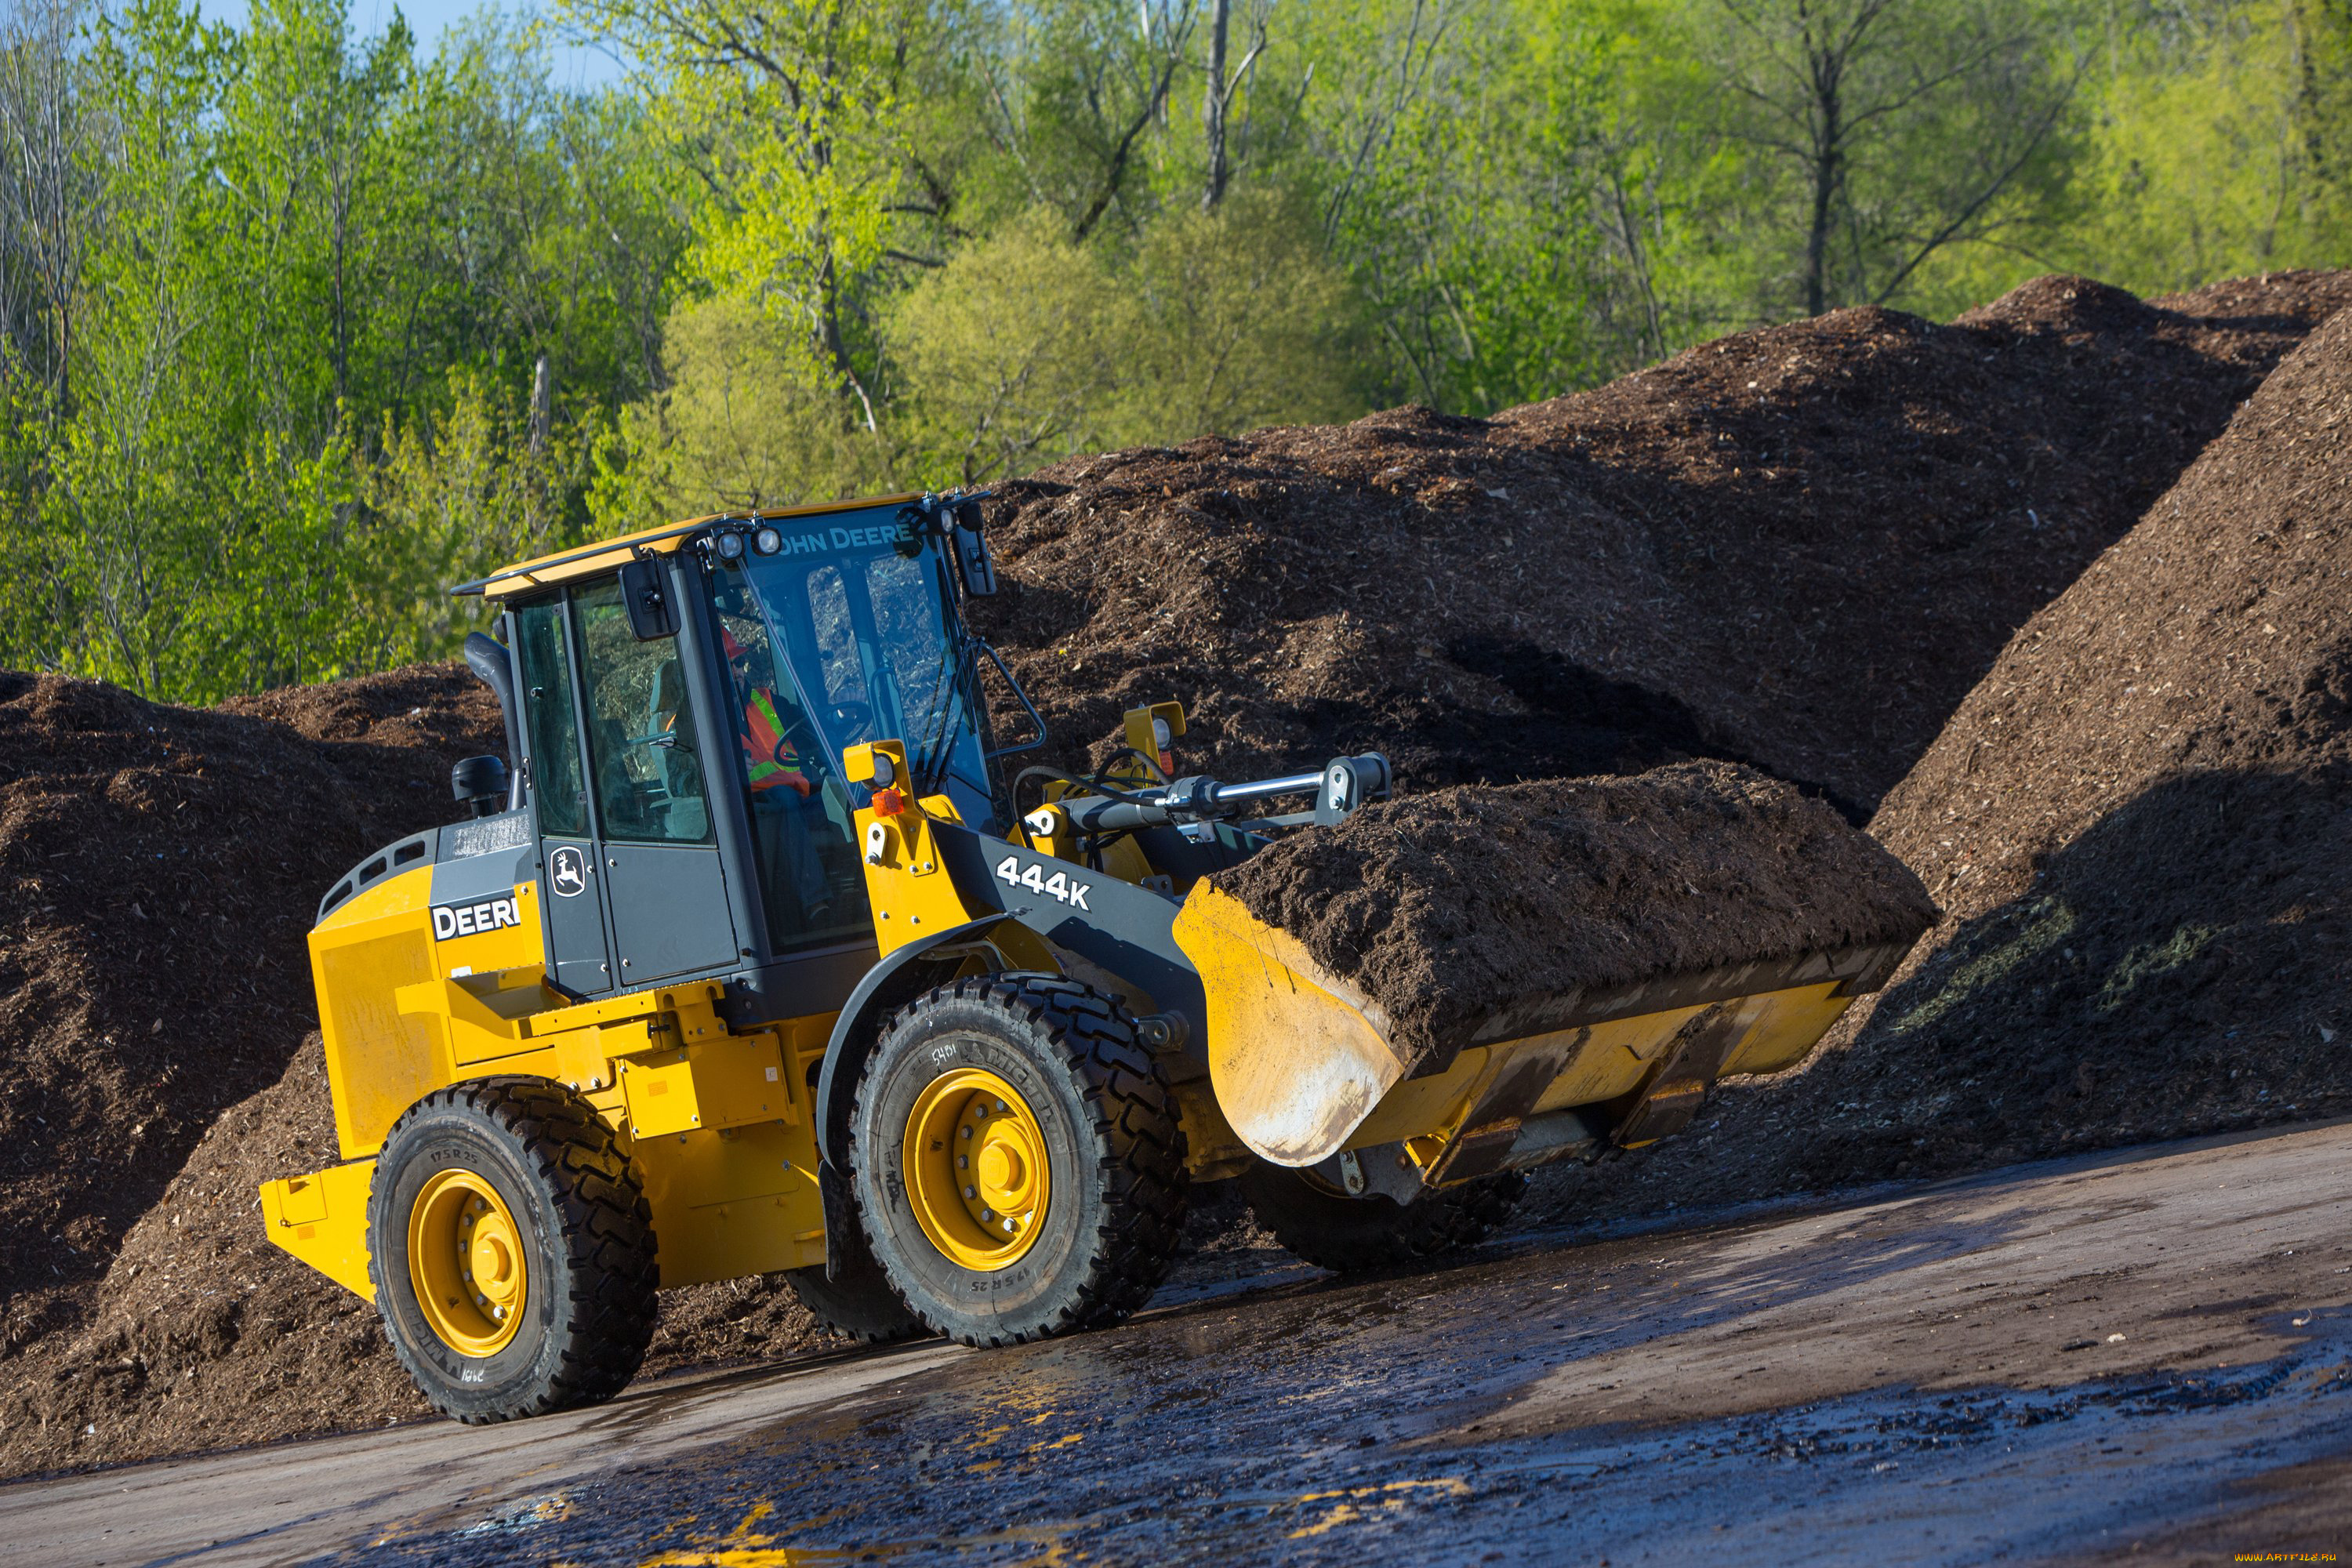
(467, 1263)
(976, 1171)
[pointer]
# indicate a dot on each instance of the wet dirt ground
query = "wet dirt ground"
(2143, 1355)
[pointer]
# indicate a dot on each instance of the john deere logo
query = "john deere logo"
(569, 871)
(471, 920)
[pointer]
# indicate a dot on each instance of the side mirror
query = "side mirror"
(480, 785)
(973, 566)
(652, 615)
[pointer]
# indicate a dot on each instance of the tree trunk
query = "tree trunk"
(342, 336)
(1829, 135)
(1212, 104)
(543, 407)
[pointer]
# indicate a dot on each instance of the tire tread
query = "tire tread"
(1137, 1135)
(607, 1231)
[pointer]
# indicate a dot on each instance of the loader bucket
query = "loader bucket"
(1297, 1057)
(1490, 978)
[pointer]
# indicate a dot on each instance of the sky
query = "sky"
(575, 66)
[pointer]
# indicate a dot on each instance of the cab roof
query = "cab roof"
(546, 571)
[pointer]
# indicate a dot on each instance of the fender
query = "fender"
(844, 1053)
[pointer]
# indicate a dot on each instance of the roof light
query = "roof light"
(731, 546)
(766, 541)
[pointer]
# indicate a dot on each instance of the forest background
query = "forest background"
(299, 325)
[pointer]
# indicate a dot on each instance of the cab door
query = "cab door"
(570, 897)
(664, 892)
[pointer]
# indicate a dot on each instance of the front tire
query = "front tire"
(513, 1250)
(1348, 1235)
(1018, 1160)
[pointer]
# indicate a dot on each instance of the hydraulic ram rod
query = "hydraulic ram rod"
(1194, 799)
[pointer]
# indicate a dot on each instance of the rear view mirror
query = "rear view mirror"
(647, 600)
(972, 563)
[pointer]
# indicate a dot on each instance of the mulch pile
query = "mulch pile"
(159, 868)
(2139, 825)
(162, 867)
(1799, 546)
(1451, 907)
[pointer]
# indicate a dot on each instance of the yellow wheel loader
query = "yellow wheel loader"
(755, 954)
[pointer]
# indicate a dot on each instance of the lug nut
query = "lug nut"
(988, 1213)
(963, 1161)
(971, 1192)
(1008, 1227)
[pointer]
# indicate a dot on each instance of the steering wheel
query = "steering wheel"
(851, 720)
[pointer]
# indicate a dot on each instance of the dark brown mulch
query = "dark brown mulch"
(1799, 546)
(158, 870)
(1451, 908)
(2140, 827)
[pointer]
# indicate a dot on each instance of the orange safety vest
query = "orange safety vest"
(764, 744)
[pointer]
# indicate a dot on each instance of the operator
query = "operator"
(787, 846)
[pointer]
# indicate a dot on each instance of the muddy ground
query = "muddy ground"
(2146, 1355)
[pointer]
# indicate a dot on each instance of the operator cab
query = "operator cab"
(683, 703)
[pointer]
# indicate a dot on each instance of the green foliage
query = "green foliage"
(1235, 320)
(2213, 151)
(289, 243)
(1028, 347)
(741, 425)
(1012, 352)
(490, 481)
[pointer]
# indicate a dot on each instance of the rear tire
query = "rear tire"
(1348, 1235)
(520, 1179)
(1072, 1116)
(862, 1304)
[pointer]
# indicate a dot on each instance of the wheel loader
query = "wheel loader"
(759, 952)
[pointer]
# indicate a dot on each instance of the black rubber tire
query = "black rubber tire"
(862, 1305)
(1114, 1144)
(590, 1247)
(1348, 1235)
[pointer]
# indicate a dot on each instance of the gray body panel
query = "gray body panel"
(668, 909)
(574, 908)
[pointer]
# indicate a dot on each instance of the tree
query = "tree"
(793, 116)
(1068, 98)
(48, 191)
(1219, 84)
(1898, 127)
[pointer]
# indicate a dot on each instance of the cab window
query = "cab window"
(646, 763)
(552, 737)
